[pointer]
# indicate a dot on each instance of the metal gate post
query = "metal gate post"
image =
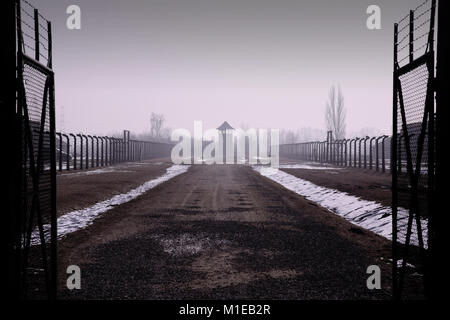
(81, 151)
(345, 152)
(394, 168)
(114, 150)
(102, 151)
(87, 151)
(60, 150)
(53, 219)
(377, 161)
(359, 156)
(106, 150)
(382, 154)
(74, 151)
(96, 150)
(92, 150)
(68, 152)
(365, 152)
(371, 152)
(350, 152)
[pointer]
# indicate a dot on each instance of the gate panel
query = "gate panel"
(413, 142)
(36, 113)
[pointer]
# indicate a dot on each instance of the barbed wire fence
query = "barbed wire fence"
(409, 153)
(371, 153)
(413, 141)
(82, 151)
(44, 151)
(37, 182)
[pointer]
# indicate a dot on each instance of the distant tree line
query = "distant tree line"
(157, 132)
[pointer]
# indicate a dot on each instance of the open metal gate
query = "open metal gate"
(36, 237)
(413, 143)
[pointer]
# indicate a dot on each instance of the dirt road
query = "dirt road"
(223, 232)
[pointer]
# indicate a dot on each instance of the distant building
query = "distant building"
(223, 128)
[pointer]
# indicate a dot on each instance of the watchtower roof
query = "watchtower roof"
(225, 126)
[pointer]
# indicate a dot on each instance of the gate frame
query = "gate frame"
(50, 266)
(413, 173)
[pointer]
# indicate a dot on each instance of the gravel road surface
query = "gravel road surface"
(223, 232)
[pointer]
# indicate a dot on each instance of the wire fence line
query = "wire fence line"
(35, 31)
(414, 143)
(35, 203)
(413, 32)
(83, 151)
(360, 152)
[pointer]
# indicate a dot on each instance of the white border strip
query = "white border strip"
(80, 219)
(366, 214)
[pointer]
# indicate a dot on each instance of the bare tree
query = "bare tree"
(335, 113)
(156, 125)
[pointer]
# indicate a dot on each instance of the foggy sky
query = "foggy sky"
(265, 63)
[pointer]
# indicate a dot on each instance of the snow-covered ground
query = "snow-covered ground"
(80, 219)
(110, 169)
(307, 167)
(97, 171)
(369, 215)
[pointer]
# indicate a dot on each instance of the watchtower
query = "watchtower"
(226, 131)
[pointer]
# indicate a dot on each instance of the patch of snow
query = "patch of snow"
(80, 219)
(307, 167)
(94, 172)
(400, 263)
(261, 158)
(366, 214)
